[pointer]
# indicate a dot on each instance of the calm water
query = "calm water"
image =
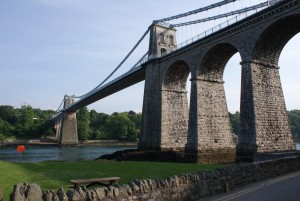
(37, 154)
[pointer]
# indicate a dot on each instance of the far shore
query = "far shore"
(51, 142)
(297, 140)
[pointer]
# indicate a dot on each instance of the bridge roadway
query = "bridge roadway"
(283, 188)
(138, 74)
(121, 83)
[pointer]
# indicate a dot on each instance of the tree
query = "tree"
(97, 126)
(294, 119)
(6, 130)
(42, 125)
(235, 122)
(137, 119)
(83, 120)
(98, 134)
(120, 127)
(9, 114)
(25, 124)
(97, 120)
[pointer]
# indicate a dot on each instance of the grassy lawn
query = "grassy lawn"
(52, 175)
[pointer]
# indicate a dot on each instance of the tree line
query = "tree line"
(25, 122)
(31, 123)
(124, 126)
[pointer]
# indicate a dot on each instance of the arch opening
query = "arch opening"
(289, 75)
(289, 72)
(175, 109)
(215, 139)
(214, 62)
(270, 44)
(163, 51)
(232, 85)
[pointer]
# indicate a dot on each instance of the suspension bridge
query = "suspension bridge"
(166, 54)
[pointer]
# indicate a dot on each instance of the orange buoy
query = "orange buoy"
(21, 148)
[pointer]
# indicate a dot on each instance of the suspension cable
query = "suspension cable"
(164, 20)
(60, 105)
(222, 15)
(135, 46)
(194, 11)
(140, 60)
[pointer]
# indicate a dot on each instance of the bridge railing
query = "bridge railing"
(215, 29)
(132, 70)
(204, 34)
(208, 32)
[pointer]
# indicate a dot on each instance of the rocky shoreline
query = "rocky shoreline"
(142, 155)
(38, 142)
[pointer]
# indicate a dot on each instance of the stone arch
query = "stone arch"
(162, 38)
(264, 122)
(176, 76)
(163, 51)
(215, 141)
(175, 107)
(215, 60)
(171, 40)
(271, 42)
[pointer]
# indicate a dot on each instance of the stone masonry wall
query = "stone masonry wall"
(215, 141)
(264, 128)
(185, 187)
(69, 134)
(247, 136)
(175, 112)
(269, 129)
(273, 133)
(151, 125)
(174, 120)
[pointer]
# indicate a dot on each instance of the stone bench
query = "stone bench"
(107, 181)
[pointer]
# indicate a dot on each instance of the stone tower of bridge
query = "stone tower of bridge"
(68, 131)
(199, 133)
(162, 40)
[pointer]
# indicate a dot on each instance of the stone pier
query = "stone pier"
(68, 130)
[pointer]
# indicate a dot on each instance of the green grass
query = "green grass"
(52, 175)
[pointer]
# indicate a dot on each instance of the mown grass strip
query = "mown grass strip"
(52, 175)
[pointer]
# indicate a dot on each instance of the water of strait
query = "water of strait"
(39, 153)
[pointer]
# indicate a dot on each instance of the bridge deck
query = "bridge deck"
(126, 81)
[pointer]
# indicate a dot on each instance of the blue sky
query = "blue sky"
(49, 48)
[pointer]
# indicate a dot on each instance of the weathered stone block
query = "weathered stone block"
(61, 195)
(24, 192)
(50, 196)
